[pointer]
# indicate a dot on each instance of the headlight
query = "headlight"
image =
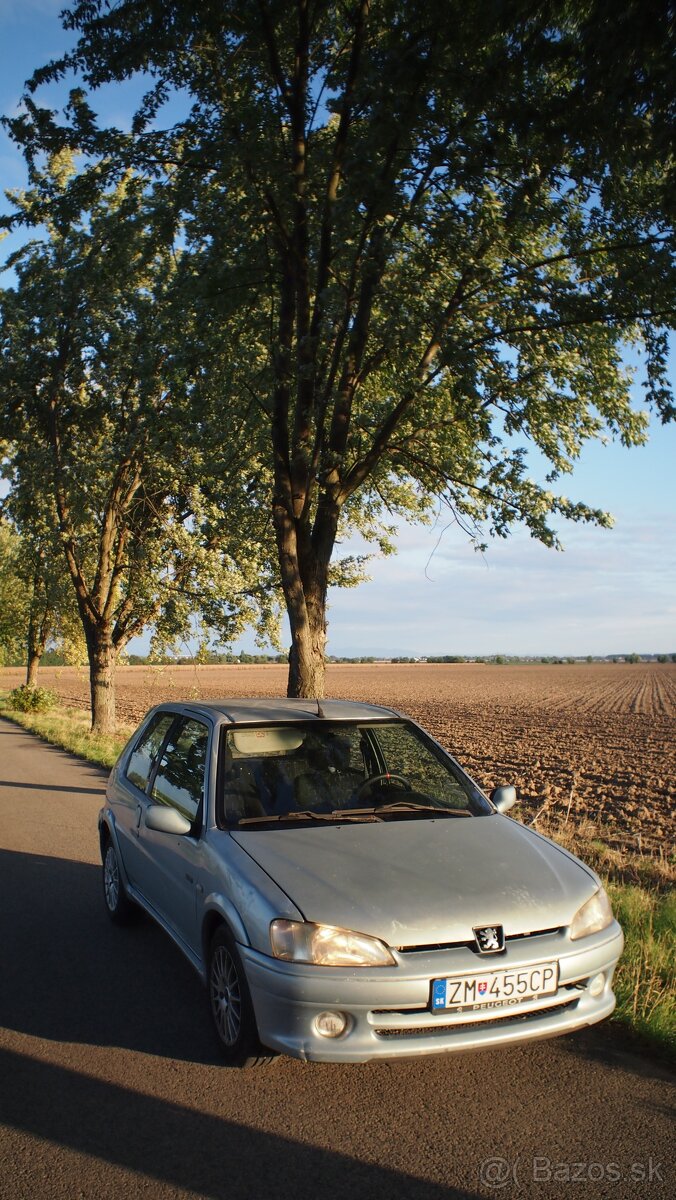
(326, 946)
(595, 915)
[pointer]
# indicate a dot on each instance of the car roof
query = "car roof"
(254, 711)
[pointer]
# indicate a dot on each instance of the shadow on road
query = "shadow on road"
(616, 1046)
(53, 787)
(71, 976)
(209, 1156)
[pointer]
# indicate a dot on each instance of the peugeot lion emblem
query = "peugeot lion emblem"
(490, 939)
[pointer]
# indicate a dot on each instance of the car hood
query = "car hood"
(424, 881)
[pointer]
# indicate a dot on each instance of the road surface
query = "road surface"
(110, 1084)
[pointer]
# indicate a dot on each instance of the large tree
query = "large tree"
(443, 223)
(92, 393)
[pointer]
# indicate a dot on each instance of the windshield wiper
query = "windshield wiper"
(304, 815)
(405, 806)
(358, 814)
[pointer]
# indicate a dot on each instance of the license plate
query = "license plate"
(495, 989)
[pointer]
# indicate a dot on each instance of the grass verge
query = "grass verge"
(644, 979)
(640, 888)
(69, 728)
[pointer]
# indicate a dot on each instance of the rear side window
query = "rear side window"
(179, 781)
(141, 760)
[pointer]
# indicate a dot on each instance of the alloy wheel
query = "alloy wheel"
(111, 879)
(226, 996)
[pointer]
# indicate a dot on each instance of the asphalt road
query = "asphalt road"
(110, 1084)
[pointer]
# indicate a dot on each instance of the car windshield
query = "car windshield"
(326, 770)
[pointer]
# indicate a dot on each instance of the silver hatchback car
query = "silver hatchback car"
(344, 889)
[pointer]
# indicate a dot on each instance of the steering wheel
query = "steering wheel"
(384, 775)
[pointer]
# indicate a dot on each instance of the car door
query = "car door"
(180, 781)
(130, 799)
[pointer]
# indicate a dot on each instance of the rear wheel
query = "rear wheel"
(118, 905)
(230, 1004)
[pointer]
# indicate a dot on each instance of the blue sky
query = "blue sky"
(609, 591)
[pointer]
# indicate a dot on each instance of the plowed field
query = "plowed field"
(584, 743)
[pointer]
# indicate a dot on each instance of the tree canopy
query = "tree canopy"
(415, 239)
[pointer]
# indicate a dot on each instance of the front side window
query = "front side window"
(179, 781)
(141, 760)
(343, 770)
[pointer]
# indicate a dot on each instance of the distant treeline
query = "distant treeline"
(52, 658)
(210, 658)
(512, 659)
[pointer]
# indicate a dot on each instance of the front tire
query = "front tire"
(118, 905)
(230, 1005)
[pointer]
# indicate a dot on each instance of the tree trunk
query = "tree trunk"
(307, 663)
(102, 662)
(304, 570)
(38, 631)
(32, 669)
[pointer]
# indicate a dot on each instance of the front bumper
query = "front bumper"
(388, 1008)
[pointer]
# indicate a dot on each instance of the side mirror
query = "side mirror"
(167, 820)
(504, 797)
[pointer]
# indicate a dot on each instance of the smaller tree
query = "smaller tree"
(13, 606)
(93, 393)
(36, 600)
(49, 598)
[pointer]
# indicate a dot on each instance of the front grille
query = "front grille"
(518, 937)
(492, 1023)
(509, 937)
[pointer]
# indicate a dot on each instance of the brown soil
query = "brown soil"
(586, 745)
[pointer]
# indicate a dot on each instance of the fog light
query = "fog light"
(331, 1024)
(597, 984)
